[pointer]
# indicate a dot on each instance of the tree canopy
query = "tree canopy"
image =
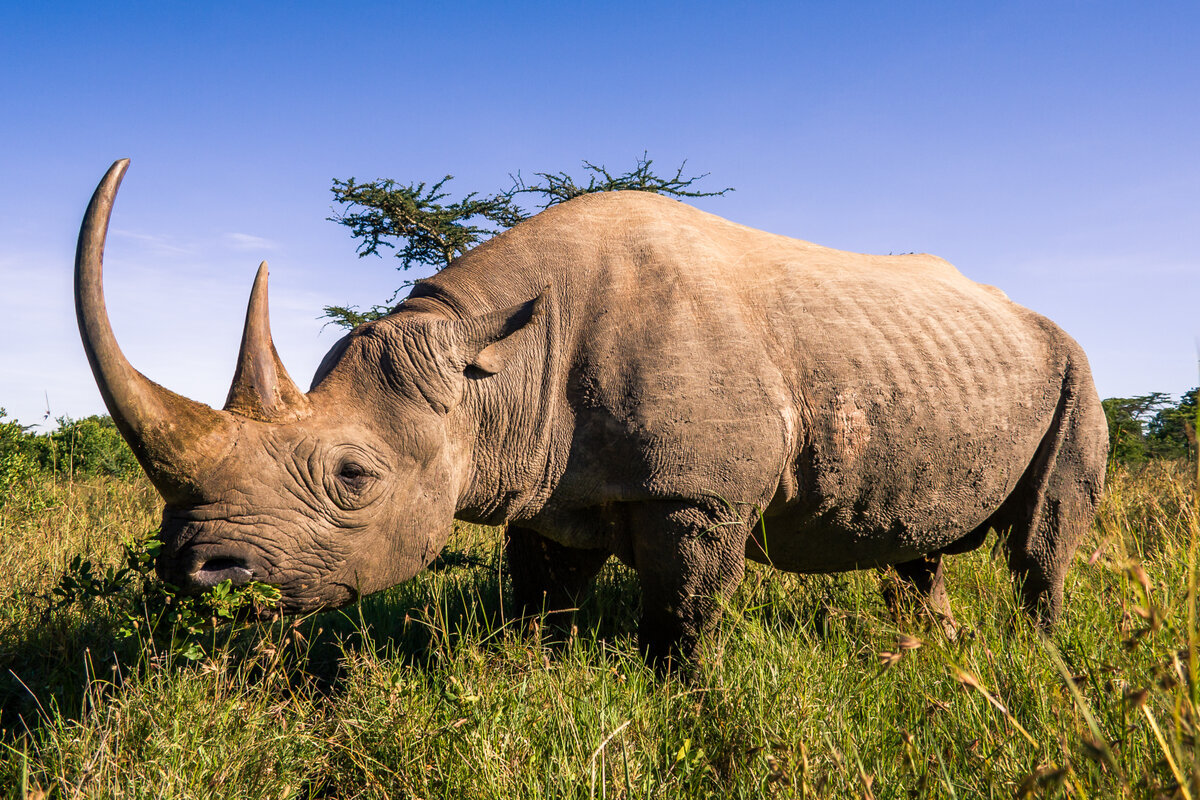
(427, 227)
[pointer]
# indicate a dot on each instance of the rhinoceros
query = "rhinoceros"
(625, 375)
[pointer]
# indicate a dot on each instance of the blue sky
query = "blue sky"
(1047, 148)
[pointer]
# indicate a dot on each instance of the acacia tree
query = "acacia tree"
(427, 228)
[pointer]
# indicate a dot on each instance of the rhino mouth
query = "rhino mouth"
(335, 595)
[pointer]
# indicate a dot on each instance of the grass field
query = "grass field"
(808, 689)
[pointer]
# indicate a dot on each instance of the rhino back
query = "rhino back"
(873, 405)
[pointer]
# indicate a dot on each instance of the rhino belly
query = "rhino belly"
(824, 543)
(889, 503)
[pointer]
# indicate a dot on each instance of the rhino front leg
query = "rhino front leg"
(688, 560)
(546, 576)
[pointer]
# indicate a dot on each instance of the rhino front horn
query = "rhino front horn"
(262, 388)
(175, 439)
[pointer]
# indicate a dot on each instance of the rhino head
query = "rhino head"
(342, 491)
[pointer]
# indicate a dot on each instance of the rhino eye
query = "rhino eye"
(353, 475)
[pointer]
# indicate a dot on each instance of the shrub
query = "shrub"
(91, 446)
(18, 457)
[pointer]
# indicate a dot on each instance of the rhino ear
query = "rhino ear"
(490, 342)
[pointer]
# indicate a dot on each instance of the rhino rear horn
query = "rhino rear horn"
(175, 439)
(262, 388)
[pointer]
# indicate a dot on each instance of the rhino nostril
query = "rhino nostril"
(222, 568)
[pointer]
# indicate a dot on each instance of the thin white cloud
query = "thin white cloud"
(155, 243)
(244, 241)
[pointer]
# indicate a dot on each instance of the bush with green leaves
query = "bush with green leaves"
(19, 462)
(1172, 430)
(141, 604)
(88, 446)
(83, 448)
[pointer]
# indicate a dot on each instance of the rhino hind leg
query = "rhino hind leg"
(689, 560)
(546, 576)
(1056, 499)
(923, 580)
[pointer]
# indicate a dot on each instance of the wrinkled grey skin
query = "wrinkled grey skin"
(624, 375)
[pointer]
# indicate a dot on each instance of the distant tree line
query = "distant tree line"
(1151, 426)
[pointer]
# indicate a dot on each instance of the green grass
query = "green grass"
(808, 689)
